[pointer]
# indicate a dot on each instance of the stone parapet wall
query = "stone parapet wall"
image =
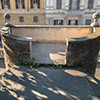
(83, 51)
(16, 49)
(51, 33)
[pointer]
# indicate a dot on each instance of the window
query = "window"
(59, 4)
(35, 3)
(21, 19)
(90, 4)
(20, 4)
(72, 22)
(74, 4)
(35, 19)
(88, 22)
(58, 22)
(5, 4)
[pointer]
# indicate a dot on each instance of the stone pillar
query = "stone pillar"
(47, 4)
(51, 4)
(98, 4)
(67, 5)
(82, 4)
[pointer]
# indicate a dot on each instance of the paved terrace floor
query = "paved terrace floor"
(22, 83)
(2, 66)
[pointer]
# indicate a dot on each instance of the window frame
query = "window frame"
(58, 2)
(37, 3)
(71, 5)
(21, 20)
(21, 6)
(90, 4)
(5, 6)
(35, 19)
(88, 20)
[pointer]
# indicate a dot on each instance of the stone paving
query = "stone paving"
(22, 83)
(2, 66)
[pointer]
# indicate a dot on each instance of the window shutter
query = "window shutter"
(70, 4)
(2, 4)
(23, 4)
(16, 4)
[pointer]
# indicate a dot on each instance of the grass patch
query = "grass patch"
(32, 64)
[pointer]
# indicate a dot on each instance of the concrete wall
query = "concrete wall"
(50, 33)
(16, 49)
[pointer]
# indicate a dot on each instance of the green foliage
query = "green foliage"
(32, 64)
(19, 63)
(54, 66)
(77, 64)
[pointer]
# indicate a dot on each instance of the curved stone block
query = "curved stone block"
(83, 51)
(16, 49)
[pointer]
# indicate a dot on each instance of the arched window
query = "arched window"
(90, 4)
(5, 4)
(20, 4)
(59, 4)
(74, 4)
(35, 3)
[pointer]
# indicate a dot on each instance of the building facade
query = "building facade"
(71, 12)
(49, 12)
(23, 12)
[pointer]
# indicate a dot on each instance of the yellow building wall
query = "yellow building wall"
(27, 13)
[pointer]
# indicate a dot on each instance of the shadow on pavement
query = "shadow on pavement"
(22, 83)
